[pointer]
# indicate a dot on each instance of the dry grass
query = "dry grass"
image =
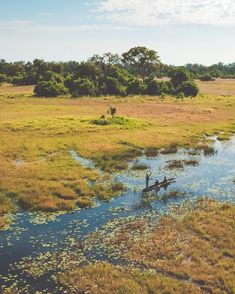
(36, 135)
(105, 278)
(217, 87)
(188, 253)
(8, 89)
(200, 248)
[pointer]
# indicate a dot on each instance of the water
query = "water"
(213, 178)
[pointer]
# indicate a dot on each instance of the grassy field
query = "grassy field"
(36, 135)
(188, 253)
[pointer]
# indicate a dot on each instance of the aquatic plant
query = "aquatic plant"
(173, 148)
(174, 164)
(139, 166)
(151, 151)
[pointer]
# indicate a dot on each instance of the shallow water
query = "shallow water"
(213, 178)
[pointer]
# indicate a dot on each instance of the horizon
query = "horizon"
(181, 33)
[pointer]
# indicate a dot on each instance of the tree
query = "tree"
(52, 76)
(141, 61)
(49, 89)
(179, 75)
(105, 61)
(153, 88)
(135, 87)
(207, 78)
(3, 78)
(112, 111)
(84, 87)
(189, 88)
(113, 87)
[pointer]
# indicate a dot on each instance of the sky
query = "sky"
(181, 31)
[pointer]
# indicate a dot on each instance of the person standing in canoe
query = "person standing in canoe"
(147, 179)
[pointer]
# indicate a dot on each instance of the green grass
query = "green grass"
(37, 134)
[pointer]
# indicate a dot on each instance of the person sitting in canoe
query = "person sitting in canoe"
(165, 179)
(156, 182)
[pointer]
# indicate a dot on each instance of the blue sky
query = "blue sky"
(195, 31)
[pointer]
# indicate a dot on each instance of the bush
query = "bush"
(189, 88)
(113, 87)
(207, 78)
(153, 88)
(84, 87)
(52, 76)
(179, 75)
(49, 89)
(3, 78)
(17, 80)
(135, 87)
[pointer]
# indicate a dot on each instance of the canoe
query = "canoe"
(159, 185)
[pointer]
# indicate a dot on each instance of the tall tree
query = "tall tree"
(141, 61)
(105, 61)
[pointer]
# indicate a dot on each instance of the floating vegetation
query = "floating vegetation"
(173, 148)
(117, 162)
(174, 164)
(192, 162)
(152, 151)
(171, 194)
(46, 262)
(207, 150)
(139, 166)
(224, 137)
(179, 164)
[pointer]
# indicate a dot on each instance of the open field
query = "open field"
(218, 87)
(37, 134)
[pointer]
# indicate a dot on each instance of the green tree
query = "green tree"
(189, 88)
(103, 62)
(179, 75)
(3, 78)
(113, 87)
(49, 89)
(135, 87)
(84, 87)
(141, 61)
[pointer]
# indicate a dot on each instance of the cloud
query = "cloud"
(27, 26)
(162, 12)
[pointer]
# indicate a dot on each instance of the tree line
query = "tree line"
(135, 72)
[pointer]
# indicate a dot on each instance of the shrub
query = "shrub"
(113, 87)
(189, 88)
(135, 87)
(3, 78)
(153, 88)
(49, 89)
(207, 78)
(84, 87)
(179, 75)
(52, 76)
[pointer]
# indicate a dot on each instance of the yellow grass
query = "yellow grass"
(218, 87)
(36, 135)
(188, 253)
(200, 247)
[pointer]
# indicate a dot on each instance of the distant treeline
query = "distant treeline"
(134, 72)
